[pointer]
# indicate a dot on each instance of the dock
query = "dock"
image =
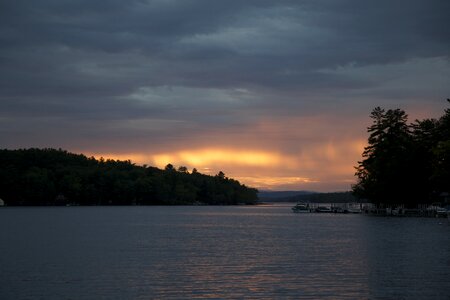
(430, 211)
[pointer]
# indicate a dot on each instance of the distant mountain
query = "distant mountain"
(280, 196)
(338, 197)
(307, 197)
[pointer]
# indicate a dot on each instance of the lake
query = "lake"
(223, 252)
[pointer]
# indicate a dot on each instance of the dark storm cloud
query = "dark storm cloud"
(111, 61)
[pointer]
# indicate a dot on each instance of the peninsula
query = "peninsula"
(57, 177)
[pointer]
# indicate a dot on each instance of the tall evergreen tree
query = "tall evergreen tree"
(404, 164)
(441, 156)
(383, 173)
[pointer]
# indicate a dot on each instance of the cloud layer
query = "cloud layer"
(288, 79)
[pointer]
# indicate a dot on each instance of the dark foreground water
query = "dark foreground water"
(236, 252)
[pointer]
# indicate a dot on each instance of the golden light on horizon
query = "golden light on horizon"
(307, 167)
(207, 157)
(202, 158)
(270, 182)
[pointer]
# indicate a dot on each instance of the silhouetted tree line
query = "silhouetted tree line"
(405, 163)
(57, 177)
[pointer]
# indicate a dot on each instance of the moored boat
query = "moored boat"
(301, 208)
(323, 209)
(353, 210)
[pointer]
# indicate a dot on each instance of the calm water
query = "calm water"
(219, 252)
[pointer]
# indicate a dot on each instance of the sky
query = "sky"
(276, 94)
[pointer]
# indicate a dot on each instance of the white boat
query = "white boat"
(354, 210)
(323, 209)
(301, 208)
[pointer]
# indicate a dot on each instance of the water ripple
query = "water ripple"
(219, 253)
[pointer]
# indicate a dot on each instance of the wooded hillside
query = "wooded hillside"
(57, 177)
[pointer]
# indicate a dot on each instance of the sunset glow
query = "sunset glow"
(272, 183)
(277, 94)
(207, 157)
(198, 149)
(264, 169)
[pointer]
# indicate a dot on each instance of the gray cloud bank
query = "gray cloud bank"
(102, 74)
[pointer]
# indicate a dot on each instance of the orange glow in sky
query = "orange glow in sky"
(249, 95)
(206, 157)
(330, 162)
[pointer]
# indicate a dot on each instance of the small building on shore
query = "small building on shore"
(2, 203)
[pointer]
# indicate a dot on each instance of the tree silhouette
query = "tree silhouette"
(182, 169)
(169, 167)
(56, 177)
(404, 164)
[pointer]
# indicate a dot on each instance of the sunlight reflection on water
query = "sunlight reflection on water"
(251, 252)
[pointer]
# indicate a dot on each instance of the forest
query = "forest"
(405, 163)
(57, 177)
